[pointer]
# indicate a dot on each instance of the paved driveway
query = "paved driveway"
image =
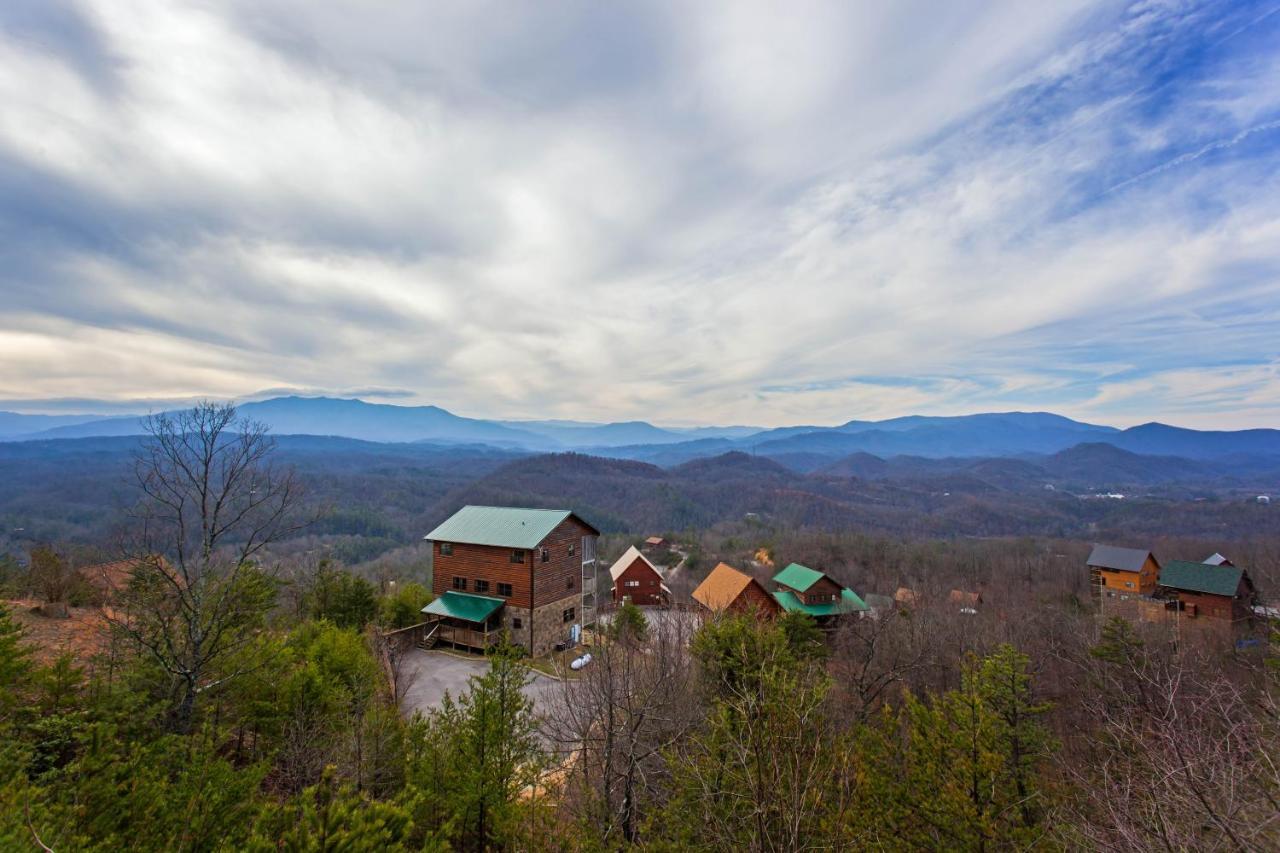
(435, 672)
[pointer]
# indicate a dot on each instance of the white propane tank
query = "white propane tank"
(579, 663)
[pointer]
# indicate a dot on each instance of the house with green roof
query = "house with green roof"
(805, 590)
(1202, 590)
(526, 574)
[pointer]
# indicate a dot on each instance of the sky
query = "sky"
(686, 213)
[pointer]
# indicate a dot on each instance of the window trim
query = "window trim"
(568, 614)
(517, 556)
(459, 583)
(446, 549)
(506, 594)
(477, 585)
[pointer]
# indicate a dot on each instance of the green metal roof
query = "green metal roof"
(505, 527)
(1200, 577)
(848, 603)
(798, 577)
(464, 605)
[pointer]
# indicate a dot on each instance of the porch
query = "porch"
(463, 620)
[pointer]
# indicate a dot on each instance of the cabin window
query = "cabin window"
(570, 549)
(632, 583)
(459, 583)
(568, 615)
(482, 586)
(517, 556)
(1129, 584)
(446, 549)
(517, 623)
(568, 583)
(504, 590)
(546, 555)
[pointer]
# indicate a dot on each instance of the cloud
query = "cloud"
(660, 211)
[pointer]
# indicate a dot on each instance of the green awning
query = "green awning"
(848, 603)
(464, 605)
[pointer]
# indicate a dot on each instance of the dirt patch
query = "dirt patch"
(84, 632)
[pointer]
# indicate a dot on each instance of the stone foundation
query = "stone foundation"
(549, 626)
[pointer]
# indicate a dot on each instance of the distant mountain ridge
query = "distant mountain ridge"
(996, 434)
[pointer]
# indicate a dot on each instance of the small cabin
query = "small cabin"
(727, 589)
(656, 545)
(1122, 572)
(905, 596)
(805, 590)
(638, 581)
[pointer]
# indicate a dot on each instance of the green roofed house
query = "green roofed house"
(527, 573)
(1204, 590)
(800, 588)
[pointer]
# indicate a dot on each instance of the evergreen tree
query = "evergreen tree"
(471, 758)
(331, 818)
(629, 624)
(345, 599)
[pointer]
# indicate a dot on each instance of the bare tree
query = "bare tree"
(54, 577)
(1183, 758)
(633, 702)
(211, 502)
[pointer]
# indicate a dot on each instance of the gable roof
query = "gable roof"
(848, 603)
(960, 596)
(1216, 559)
(723, 586)
(798, 577)
(501, 526)
(624, 562)
(1119, 559)
(905, 595)
(1201, 577)
(464, 605)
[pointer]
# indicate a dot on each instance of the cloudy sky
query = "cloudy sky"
(761, 213)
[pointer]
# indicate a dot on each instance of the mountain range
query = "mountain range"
(800, 448)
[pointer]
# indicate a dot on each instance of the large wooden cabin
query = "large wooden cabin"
(1207, 591)
(528, 573)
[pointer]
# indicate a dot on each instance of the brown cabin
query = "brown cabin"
(656, 545)
(727, 589)
(1122, 572)
(965, 600)
(906, 597)
(530, 573)
(638, 581)
(1206, 591)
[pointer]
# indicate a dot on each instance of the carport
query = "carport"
(464, 620)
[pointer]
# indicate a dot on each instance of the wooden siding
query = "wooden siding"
(1212, 606)
(823, 591)
(648, 593)
(1143, 582)
(754, 597)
